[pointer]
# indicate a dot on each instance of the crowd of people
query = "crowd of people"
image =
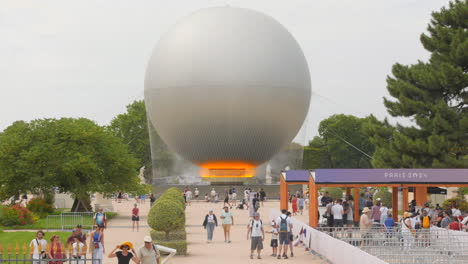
(78, 246)
(281, 232)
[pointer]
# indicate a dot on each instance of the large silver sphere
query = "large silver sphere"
(227, 85)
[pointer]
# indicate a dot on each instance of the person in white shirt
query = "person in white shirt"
(197, 192)
(213, 195)
(78, 251)
(337, 212)
(257, 235)
(383, 213)
(320, 199)
(38, 246)
(455, 211)
(284, 227)
(274, 238)
(188, 197)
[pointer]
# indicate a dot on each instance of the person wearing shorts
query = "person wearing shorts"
(135, 218)
(227, 221)
(284, 227)
(257, 235)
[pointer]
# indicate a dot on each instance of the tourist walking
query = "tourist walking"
(96, 244)
(124, 255)
(364, 225)
(257, 235)
(39, 245)
(294, 205)
(337, 212)
(376, 213)
(149, 253)
(291, 237)
(188, 197)
(300, 204)
(383, 213)
(407, 231)
(135, 218)
(197, 193)
(209, 224)
(262, 195)
(78, 251)
(285, 226)
(226, 199)
(213, 195)
(247, 198)
(234, 196)
(227, 221)
(56, 251)
(274, 238)
(100, 218)
(152, 200)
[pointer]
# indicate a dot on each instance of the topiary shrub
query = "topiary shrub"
(179, 245)
(166, 215)
(17, 215)
(385, 198)
(174, 235)
(175, 194)
(40, 207)
(335, 192)
(462, 204)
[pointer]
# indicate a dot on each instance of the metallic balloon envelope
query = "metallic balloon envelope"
(227, 88)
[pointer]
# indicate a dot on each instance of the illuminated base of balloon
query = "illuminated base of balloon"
(227, 169)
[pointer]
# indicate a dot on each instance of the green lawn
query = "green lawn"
(23, 237)
(55, 222)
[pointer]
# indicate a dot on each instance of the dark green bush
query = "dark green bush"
(335, 192)
(16, 215)
(174, 235)
(40, 207)
(166, 215)
(175, 194)
(179, 245)
(462, 204)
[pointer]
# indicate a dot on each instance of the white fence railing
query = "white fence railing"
(334, 250)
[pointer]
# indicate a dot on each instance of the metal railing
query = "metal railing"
(69, 220)
(434, 245)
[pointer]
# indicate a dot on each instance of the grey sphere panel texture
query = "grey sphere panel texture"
(227, 84)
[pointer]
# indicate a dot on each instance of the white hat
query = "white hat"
(147, 239)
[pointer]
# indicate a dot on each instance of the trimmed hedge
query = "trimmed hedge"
(174, 235)
(167, 216)
(174, 194)
(179, 245)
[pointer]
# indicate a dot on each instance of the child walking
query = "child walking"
(274, 238)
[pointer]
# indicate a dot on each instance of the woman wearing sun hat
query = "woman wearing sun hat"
(364, 224)
(124, 256)
(407, 231)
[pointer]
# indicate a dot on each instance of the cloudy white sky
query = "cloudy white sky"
(87, 58)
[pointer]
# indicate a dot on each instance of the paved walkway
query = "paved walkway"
(119, 230)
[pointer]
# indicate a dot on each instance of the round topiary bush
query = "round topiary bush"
(175, 194)
(385, 198)
(166, 215)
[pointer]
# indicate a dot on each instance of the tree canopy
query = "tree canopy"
(71, 155)
(434, 96)
(341, 143)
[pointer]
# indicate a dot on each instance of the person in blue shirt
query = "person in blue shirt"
(389, 224)
(362, 203)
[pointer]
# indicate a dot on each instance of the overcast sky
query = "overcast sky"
(87, 58)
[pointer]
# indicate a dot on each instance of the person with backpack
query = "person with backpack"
(100, 218)
(257, 235)
(285, 227)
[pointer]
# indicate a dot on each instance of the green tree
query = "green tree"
(132, 127)
(72, 155)
(341, 143)
(434, 96)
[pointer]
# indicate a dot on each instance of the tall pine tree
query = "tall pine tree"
(434, 95)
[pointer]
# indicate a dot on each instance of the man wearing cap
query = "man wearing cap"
(71, 239)
(257, 235)
(149, 253)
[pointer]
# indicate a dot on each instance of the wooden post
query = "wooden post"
(395, 203)
(405, 198)
(313, 203)
(357, 196)
(420, 195)
(283, 193)
(348, 191)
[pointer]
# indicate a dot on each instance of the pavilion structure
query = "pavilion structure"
(353, 179)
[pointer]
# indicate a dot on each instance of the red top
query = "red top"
(135, 211)
(454, 226)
